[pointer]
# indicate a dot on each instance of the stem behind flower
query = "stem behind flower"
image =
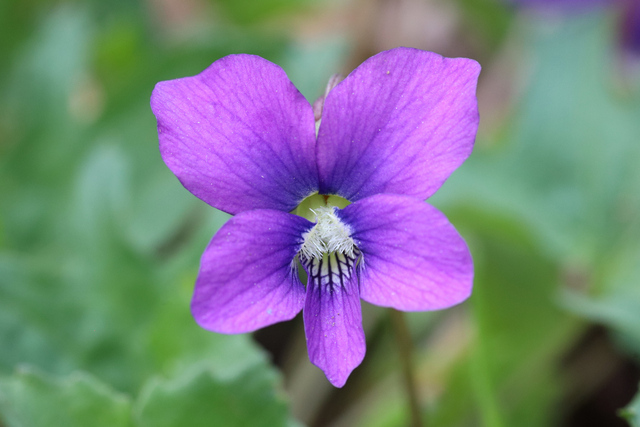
(405, 350)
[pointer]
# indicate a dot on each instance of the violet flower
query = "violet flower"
(242, 138)
(630, 28)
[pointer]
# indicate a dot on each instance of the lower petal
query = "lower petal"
(413, 259)
(333, 317)
(247, 279)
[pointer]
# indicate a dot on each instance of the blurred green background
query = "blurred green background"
(100, 244)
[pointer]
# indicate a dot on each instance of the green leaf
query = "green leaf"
(199, 398)
(618, 306)
(518, 331)
(486, 19)
(567, 167)
(28, 321)
(310, 65)
(632, 412)
(567, 170)
(32, 399)
(254, 11)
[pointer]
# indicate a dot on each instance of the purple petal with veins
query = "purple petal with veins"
(239, 135)
(332, 316)
(247, 278)
(412, 257)
(400, 123)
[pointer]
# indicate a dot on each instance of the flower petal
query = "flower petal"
(247, 278)
(412, 257)
(333, 318)
(399, 123)
(238, 128)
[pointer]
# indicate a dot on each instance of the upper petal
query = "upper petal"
(399, 123)
(333, 317)
(247, 279)
(412, 257)
(239, 135)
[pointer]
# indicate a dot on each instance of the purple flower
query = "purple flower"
(630, 27)
(243, 139)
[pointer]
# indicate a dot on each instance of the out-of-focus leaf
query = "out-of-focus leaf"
(45, 75)
(136, 318)
(99, 242)
(32, 399)
(632, 412)
(196, 397)
(618, 306)
(96, 299)
(253, 11)
(16, 22)
(519, 330)
(27, 320)
(575, 160)
(568, 165)
(38, 133)
(567, 178)
(490, 19)
(569, 168)
(310, 65)
(199, 398)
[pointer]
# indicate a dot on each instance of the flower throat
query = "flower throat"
(328, 254)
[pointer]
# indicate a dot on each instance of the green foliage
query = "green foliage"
(193, 398)
(99, 245)
(254, 11)
(552, 212)
(198, 397)
(489, 19)
(29, 398)
(632, 412)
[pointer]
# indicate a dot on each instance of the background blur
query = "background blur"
(100, 244)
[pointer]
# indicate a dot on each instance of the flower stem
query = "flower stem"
(405, 350)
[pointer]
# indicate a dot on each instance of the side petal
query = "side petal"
(239, 135)
(333, 317)
(399, 123)
(412, 257)
(247, 279)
